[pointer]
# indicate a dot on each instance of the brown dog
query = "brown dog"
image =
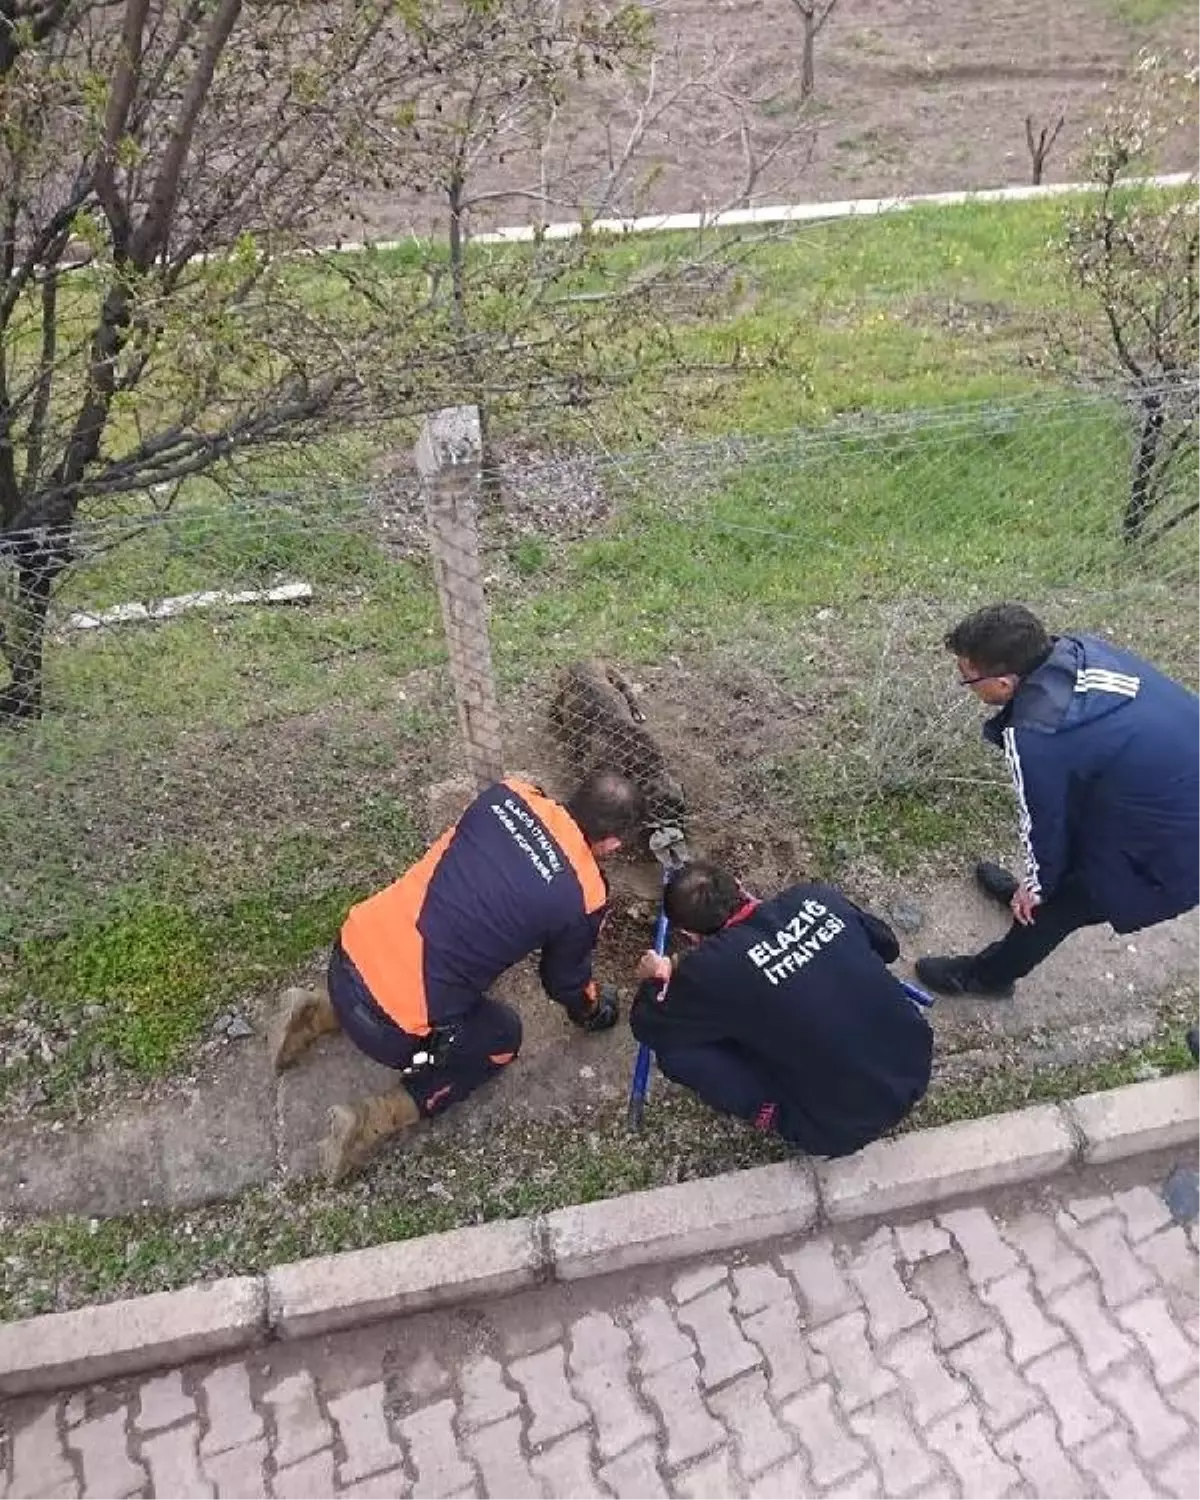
(597, 721)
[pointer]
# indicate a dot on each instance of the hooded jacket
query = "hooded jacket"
(1104, 753)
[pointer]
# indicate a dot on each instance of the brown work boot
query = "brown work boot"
(302, 1017)
(354, 1133)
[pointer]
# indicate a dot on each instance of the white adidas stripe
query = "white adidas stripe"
(1100, 680)
(1024, 820)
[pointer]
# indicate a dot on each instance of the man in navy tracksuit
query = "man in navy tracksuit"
(1104, 752)
(409, 974)
(784, 1013)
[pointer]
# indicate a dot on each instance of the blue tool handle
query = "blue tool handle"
(914, 992)
(640, 1086)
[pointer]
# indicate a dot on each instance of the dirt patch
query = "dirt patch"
(910, 98)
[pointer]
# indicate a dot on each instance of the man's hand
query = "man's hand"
(605, 1014)
(1023, 904)
(652, 965)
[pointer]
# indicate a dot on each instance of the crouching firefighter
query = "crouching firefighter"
(783, 1012)
(408, 977)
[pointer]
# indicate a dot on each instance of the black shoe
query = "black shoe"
(999, 883)
(956, 976)
(1193, 1042)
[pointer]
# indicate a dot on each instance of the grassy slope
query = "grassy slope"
(924, 309)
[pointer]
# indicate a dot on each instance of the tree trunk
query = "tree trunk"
(807, 56)
(24, 645)
(490, 489)
(1141, 485)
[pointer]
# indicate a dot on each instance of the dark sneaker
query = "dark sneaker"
(956, 976)
(1193, 1042)
(999, 883)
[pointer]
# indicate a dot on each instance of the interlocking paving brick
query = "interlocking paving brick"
(173, 1458)
(925, 1383)
(310, 1479)
(659, 1340)
(890, 1308)
(690, 1428)
(986, 1364)
(76, 1409)
(300, 1426)
(485, 1396)
(698, 1279)
(1155, 1427)
(1185, 1398)
(889, 1432)
(1095, 1207)
(1049, 1256)
(1110, 1462)
(969, 1453)
(832, 1452)
(40, 1465)
(387, 1486)
(826, 1292)
(790, 1364)
(1122, 1276)
(861, 1486)
(1143, 1210)
(107, 1468)
(1034, 1447)
(856, 1369)
(975, 1232)
(433, 1450)
(544, 1380)
(600, 1374)
(786, 1481)
(1149, 1320)
(634, 1476)
(1099, 1339)
(231, 1418)
(565, 1468)
(1173, 1261)
(237, 1472)
(724, 1352)
(710, 1479)
(1179, 1475)
(497, 1451)
(163, 1401)
(742, 1407)
(362, 1426)
(759, 1286)
(1060, 1377)
(957, 1312)
(921, 1241)
(1030, 1332)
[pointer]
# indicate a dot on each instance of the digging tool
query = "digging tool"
(668, 846)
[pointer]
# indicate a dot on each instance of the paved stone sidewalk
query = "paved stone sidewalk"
(1039, 1345)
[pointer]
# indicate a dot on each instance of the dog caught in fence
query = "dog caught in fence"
(597, 721)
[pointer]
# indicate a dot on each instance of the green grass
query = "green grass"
(515, 1167)
(145, 837)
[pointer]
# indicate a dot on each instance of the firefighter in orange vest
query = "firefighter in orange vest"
(408, 977)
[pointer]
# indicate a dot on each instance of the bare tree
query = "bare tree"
(1133, 255)
(162, 165)
(1041, 144)
(813, 16)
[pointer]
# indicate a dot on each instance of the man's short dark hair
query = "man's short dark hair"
(1001, 638)
(607, 805)
(702, 897)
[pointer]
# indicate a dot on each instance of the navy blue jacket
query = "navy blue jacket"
(801, 985)
(514, 875)
(1104, 752)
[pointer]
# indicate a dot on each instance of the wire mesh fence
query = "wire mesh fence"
(246, 699)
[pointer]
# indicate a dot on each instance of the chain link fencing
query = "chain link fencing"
(248, 696)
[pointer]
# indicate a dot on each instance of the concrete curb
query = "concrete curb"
(60, 1350)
